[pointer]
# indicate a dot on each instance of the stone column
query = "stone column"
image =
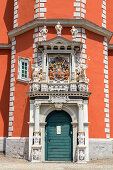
(44, 67)
(86, 124)
(73, 68)
(73, 86)
(43, 133)
(36, 147)
(31, 124)
(81, 148)
(74, 125)
(37, 110)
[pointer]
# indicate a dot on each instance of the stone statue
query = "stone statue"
(74, 32)
(58, 28)
(44, 32)
(36, 70)
(36, 78)
(81, 73)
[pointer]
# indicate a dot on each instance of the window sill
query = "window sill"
(23, 80)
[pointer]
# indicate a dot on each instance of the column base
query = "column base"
(81, 154)
(36, 153)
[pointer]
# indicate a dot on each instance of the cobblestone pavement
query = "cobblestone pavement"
(20, 164)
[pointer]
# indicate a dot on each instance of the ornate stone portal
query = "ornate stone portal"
(58, 80)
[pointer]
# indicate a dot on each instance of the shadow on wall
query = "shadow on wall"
(4, 102)
(9, 15)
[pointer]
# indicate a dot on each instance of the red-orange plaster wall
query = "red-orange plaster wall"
(6, 19)
(24, 48)
(95, 73)
(94, 11)
(110, 66)
(109, 16)
(59, 9)
(25, 11)
(5, 59)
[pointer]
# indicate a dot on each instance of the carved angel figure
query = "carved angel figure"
(58, 28)
(74, 32)
(44, 32)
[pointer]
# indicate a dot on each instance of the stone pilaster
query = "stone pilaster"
(81, 148)
(36, 147)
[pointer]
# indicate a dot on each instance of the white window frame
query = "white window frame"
(25, 60)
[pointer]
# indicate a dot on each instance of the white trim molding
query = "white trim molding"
(40, 9)
(80, 10)
(104, 14)
(106, 88)
(12, 88)
(15, 24)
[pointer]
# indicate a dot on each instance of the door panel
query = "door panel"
(59, 146)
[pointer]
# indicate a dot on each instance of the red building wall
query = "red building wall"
(60, 9)
(24, 48)
(95, 73)
(6, 19)
(25, 11)
(5, 63)
(94, 11)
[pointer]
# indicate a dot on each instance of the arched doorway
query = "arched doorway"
(58, 141)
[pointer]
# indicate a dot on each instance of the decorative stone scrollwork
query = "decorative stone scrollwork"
(44, 32)
(58, 28)
(73, 87)
(37, 138)
(58, 99)
(44, 87)
(37, 105)
(81, 155)
(36, 147)
(36, 154)
(81, 138)
(62, 87)
(58, 106)
(74, 32)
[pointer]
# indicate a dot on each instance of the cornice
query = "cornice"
(110, 47)
(64, 22)
(5, 46)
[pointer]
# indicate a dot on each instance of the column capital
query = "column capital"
(37, 105)
(80, 106)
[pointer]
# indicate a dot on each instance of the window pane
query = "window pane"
(23, 75)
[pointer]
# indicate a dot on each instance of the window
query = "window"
(23, 68)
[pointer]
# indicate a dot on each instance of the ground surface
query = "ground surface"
(20, 164)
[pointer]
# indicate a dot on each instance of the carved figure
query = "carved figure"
(74, 32)
(81, 73)
(44, 32)
(81, 138)
(58, 28)
(81, 155)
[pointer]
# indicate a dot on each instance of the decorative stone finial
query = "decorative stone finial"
(44, 32)
(58, 28)
(74, 32)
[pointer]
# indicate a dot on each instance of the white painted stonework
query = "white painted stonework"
(70, 94)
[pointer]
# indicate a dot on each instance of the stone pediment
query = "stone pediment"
(58, 42)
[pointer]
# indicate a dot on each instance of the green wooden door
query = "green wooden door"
(58, 143)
